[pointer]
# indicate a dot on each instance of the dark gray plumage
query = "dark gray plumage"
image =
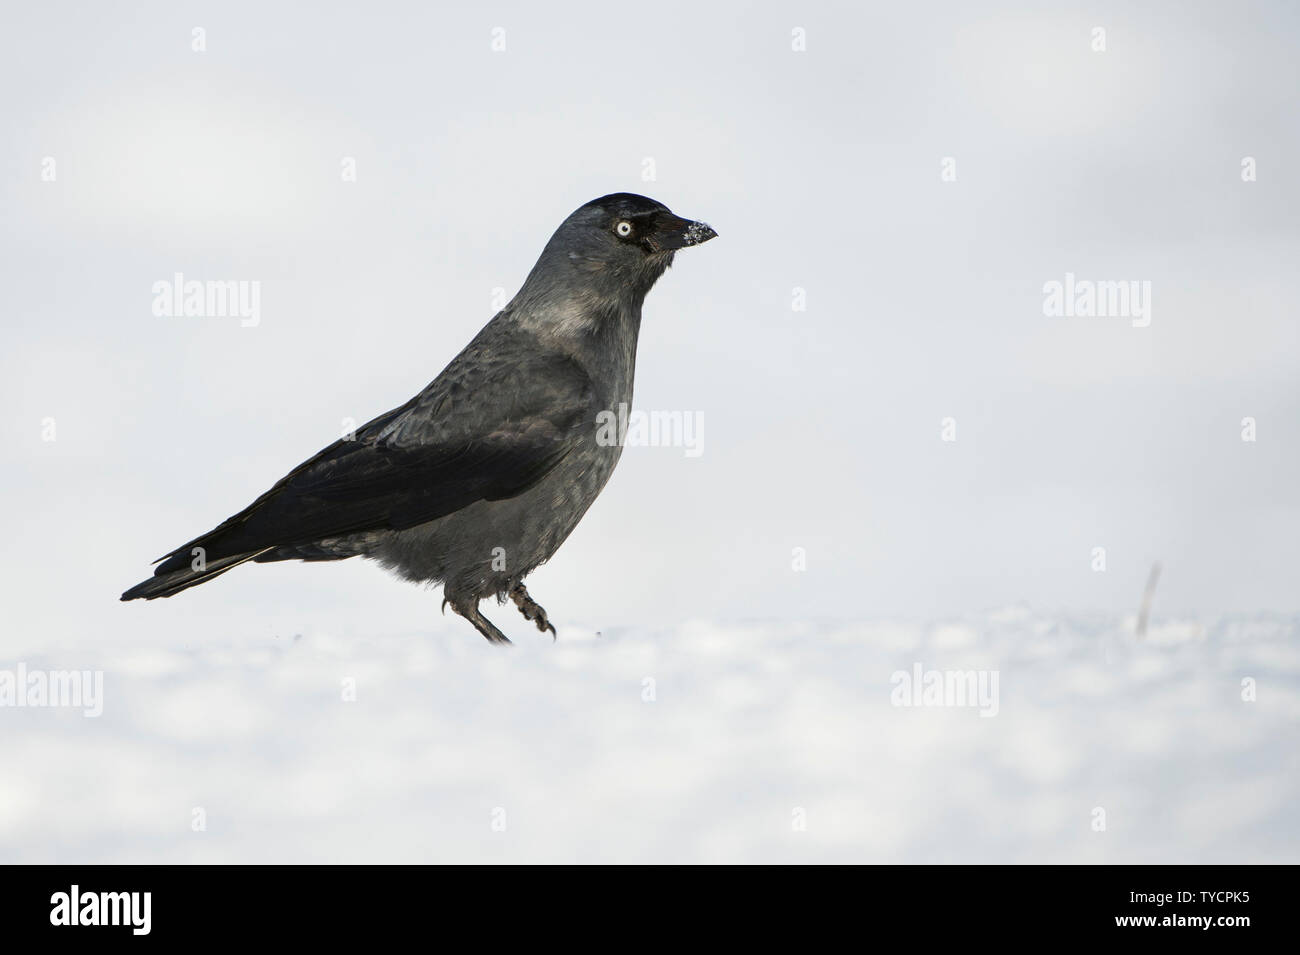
(480, 477)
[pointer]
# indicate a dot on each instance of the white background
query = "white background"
(820, 170)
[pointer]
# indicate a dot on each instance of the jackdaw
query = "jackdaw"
(480, 477)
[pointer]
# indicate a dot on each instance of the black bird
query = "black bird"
(480, 477)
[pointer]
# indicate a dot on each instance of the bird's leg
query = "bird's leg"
(530, 608)
(469, 610)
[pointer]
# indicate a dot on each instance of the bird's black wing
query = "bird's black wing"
(486, 430)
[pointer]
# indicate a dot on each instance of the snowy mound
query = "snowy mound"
(1006, 737)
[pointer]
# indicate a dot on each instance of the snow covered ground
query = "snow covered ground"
(740, 742)
(893, 429)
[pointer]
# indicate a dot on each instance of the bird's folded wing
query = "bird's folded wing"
(488, 433)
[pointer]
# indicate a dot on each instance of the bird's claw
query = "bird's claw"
(532, 610)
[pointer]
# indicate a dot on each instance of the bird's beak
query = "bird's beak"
(673, 232)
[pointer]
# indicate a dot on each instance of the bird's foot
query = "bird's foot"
(469, 610)
(531, 609)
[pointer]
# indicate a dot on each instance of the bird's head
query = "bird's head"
(618, 245)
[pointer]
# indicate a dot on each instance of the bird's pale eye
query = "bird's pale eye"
(624, 228)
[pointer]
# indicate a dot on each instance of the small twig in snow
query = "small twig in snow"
(1147, 597)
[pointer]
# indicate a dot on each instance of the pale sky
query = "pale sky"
(821, 170)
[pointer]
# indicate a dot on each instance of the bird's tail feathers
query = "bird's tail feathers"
(167, 582)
